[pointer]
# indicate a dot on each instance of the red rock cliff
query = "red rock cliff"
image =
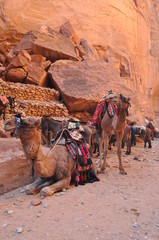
(125, 30)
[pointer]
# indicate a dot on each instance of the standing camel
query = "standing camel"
(127, 139)
(117, 123)
(54, 170)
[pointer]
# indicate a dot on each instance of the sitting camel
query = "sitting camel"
(55, 169)
(117, 123)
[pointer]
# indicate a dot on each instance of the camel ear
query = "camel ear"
(23, 122)
(38, 123)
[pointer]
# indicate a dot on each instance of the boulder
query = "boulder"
(21, 60)
(45, 65)
(9, 56)
(80, 51)
(83, 84)
(36, 75)
(2, 58)
(48, 43)
(38, 59)
(16, 75)
(90, 51)
(4, 47)
(67, 30)
(26, 43)
(2, 69)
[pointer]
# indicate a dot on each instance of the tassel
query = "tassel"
(76, 180)
(84, 157)
(82, 179)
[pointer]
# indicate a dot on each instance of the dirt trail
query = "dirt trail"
(116, 208)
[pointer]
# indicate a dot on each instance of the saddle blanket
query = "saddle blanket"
(103, 106)
(79, 152)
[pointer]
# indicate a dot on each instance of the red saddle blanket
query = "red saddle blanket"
(103, 106)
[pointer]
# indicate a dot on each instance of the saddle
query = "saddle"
(106, 104)
(78, 151)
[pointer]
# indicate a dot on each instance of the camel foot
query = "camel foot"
(98, 170)
(31, 191)
(123, 172)
(46, 191)
(103, 170)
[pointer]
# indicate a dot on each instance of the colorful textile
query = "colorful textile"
(112, 108)
(104, 105)
(4, 100)
(79, 152)
(84, 173)
(98, 112)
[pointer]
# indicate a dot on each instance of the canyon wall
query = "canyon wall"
(127, 30)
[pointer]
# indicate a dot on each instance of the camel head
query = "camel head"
(29, 132)
(18, 124)
(124, 103)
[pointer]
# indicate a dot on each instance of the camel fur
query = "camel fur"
(54, 170)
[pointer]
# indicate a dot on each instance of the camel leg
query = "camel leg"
(36, 186)
(128, 147)
(149, 142)
(105, 140)
(119, 139)
(100, 139)
(56, 187)
(144, 144)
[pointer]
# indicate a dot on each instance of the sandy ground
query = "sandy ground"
(116, 208)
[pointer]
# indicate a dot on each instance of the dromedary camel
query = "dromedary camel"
(54, 169)
(127, 139)
(116, 123)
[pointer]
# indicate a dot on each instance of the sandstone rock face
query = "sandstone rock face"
(125, 30)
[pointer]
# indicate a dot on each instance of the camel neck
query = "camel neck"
(32, 149)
